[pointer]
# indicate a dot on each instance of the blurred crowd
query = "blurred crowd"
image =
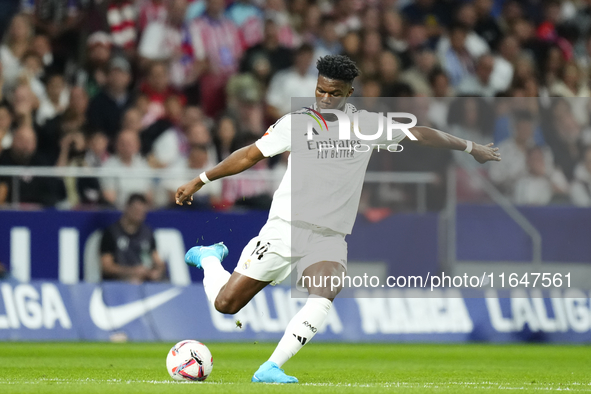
(178, 85)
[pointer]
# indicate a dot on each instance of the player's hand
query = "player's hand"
(484, 153)
(186, 191)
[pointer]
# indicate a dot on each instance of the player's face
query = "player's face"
(332, 93)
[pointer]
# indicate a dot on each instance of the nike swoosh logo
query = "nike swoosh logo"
(113, 317)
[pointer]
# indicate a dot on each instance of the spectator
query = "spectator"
(352, 45)
(479, 84)
(393, 26)
(475, 45)
(56, 100)
(16, 43)
(327, 43)
(456, 60)
(371, 93)
(97, 152)
(5, 127)
(417, 76)
(107, 107)
(57, 19)
(172, 144)
(184, 169)
(84, 190)
(32, 71)
(265, 59)
(120, 22)
(442, 92)
(295, 82)
(572, 82)
(175, 116)
(431, 13)
(34, 190)
(277, 11)
(541, 185)
(24, 104)
(132, 120)
(503, 69)
(388, 72)
(249, 113)
(580, 191)
(486, 26)
(566, 139)
(151, 11)
(128, 247)
(161, 41)
(72, 119)
(249, 20)
(224, 137)
(157, 89)
(213, 42)
(127, 157)
(93, 76)
(514, 163)
(524, 68)
(198, 134)
(41, 45)
(371, 49)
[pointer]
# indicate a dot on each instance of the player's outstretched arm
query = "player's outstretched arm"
(237, 162)
(427, 136)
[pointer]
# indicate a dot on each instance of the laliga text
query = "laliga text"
(432, 282)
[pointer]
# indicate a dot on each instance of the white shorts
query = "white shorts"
(282, 246)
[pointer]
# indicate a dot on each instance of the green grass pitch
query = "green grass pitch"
(321, 368)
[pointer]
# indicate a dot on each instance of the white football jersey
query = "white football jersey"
(324, 177)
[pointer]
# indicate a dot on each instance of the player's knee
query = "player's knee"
(227, 306)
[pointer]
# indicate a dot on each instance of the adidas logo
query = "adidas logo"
(300, 339)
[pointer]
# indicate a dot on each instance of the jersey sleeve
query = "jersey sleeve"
(277, 138)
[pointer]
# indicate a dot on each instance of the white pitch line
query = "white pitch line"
(585, 387)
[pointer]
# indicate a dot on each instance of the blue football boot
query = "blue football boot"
(197, 253)
(270, 372)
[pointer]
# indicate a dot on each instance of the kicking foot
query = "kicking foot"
(270, 372)
(197, 253)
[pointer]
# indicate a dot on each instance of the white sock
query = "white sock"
(302, 327)
(215, 277)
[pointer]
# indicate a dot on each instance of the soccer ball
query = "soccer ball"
(189, 360)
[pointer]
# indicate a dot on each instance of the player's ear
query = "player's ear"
(351, 91)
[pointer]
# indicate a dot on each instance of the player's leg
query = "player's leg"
(228, 293)
(304, 325)
(237, 292)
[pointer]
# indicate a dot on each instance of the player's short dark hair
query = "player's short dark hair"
(337, 67)
(135, 197)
